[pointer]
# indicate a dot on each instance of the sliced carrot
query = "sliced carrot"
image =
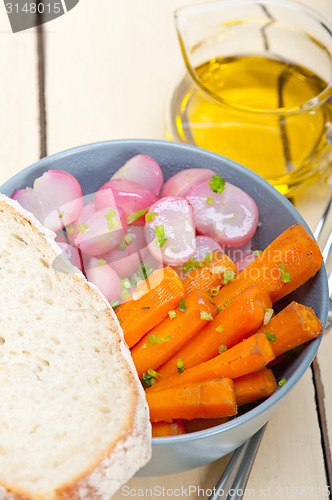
(288, 262)
(254, 386)
(291, 327)
(196, 400)
(239, 320)
(175, 331)
(149, 304)
(162, 428)
(199, 424)
(211, 275)
(248, 356)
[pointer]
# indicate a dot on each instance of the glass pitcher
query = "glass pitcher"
(257, 88)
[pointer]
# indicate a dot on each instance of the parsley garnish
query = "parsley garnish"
(61, 215)
(217, 184)
(160, 236)
(150, 217)
(128, 238)
(180, 366)
(219, 329)
(102, 262)
(115, 303)
(124, 295)
(132, 217)
(209, 201)
(70, 229)
(126, 284)
(83, 228)
(271, 337)
(171, 314)
(153, 339)
(222, 348)
(282, 267)
(111, 219)
(182, 305)
(257, 252)
(206, 316)
(226, 304)
(149, 378)
(285, 277)
(228, 276)
(282, 382)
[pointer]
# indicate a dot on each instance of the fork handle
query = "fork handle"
(233, 482)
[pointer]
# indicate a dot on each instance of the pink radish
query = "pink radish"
(128, 195)
(205, 245)
(72, 254)
(144, 171)
(102, 231)
(245, 261)
(105, 278)
(72, 229)
(237, 253)
(55, 199)
(229, 217)
(183, 181)
(170, 230)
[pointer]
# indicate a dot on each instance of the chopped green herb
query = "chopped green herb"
(146, 307)
(271, 337)
(182, 305)
(61, 215)
(217, 269)
(115, 303)
(282, 267)
(257, 252)
(160, 236)
(128, 238)
(282, 382)
(149, 378)
(150, 217)
(171, 314)
(222, 376)
(143, 272)
(209, 201)
(126, 284)
(219, 329)
(217, 184)
(124, 295)
(111, 219)
(228, 276)
(120, 320)
(122, 245)
(153, 339)
(214, 291)
(102, 262)
(206, 259)
(285, 277)
(83, 228)
(180, 366)
(70, 229)
(206, 316)
(132, 217)
(226, 304)
(191, 264)
(268, 315)
(222, 348)
(220, 309)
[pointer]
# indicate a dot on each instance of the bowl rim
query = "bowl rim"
(311, 349)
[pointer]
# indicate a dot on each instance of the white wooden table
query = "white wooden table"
(103, 71)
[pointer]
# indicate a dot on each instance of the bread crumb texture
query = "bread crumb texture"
(73, 419)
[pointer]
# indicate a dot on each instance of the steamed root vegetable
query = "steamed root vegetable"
(238, 252)
(178, 328)
(254, 386)
(291, 327)
(205, 245)
(288, 262)
(210, 275)
(149, 304)
(229, 216)
(245, 261)
(105, 278)
(214, 398)
(248, 356)
(143, 170)
(102, 231)
(72, 230)
(162, 428)
(199, 424)
(128, 195)
(55, 200)
(244, 315)
(180, 183)
(170, 230)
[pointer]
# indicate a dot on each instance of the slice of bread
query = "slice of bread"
(74, 422)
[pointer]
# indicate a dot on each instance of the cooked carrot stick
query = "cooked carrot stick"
(149, 303)
(199, 424)
(196, 400)
(239, 320)
(175, 331)
(162, 428)
(248, 356)
(212, 274)
(254, 386)
(288, 262)
(291, 327)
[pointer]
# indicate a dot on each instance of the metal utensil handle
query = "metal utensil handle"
(233, 481)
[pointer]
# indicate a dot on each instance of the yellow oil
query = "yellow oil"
(251, 109)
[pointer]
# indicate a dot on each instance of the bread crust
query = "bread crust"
(132, 449)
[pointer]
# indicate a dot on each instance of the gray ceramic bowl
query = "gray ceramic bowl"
(93, 165)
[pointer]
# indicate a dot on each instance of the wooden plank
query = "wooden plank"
(19, 123)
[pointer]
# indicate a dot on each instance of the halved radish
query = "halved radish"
(72, 229)
(128, 195)
(180, 183)
(102, 231)
(205, 245)
(237, 253)
(143, 170)
(245, 261)
(230, 218)
(72, 254)
(105, 278)
(55, 199)
(170, 230)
